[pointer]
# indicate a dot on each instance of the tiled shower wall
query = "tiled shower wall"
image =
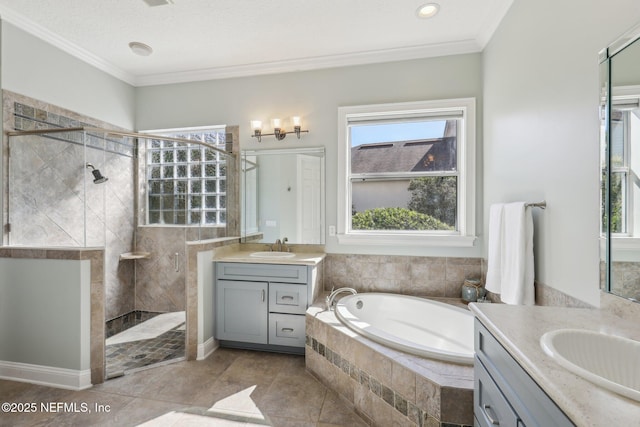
(111, 225)
(161, 279)
(160, 287)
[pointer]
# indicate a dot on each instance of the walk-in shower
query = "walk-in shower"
(52, 203)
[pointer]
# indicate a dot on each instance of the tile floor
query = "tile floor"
(231, 388)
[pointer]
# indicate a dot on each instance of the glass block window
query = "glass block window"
(187, 183)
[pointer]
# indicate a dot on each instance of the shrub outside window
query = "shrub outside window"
(187, 182)
(406, 173)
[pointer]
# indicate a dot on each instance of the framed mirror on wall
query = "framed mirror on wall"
(283, 195)
(620, 166)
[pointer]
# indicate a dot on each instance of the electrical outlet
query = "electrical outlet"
(332, 230)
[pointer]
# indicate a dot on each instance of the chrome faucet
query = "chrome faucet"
(334, 293)
(279, 245)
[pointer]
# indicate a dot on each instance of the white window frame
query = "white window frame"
(466, 155)
(625, 245)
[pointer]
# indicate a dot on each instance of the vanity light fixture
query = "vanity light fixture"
(278, 132)
(428, 10)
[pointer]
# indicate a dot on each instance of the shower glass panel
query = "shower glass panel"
(57, 187)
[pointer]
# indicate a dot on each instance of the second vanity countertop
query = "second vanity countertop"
(519, 328)
(299, 258)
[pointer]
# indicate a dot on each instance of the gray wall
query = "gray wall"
(44, 312)
(541, 128)
(536, 85)
(34, 68)
(316, 96)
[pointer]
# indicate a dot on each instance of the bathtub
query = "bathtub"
(414, 325)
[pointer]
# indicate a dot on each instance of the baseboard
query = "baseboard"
(205, 349)
(45, 375)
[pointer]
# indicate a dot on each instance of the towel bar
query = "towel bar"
(541, 205)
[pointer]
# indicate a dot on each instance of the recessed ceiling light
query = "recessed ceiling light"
(154, 3)
(428, 10)
(140, 48)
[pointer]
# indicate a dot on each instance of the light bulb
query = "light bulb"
(428, 10)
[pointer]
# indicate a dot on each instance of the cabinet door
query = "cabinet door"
(242, 311)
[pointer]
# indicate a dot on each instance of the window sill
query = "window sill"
(406, 240)
(623, 243)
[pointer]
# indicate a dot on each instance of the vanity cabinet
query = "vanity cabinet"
(262, 306)
(504, 394)
(241, 311)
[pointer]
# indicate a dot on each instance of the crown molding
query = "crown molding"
(313, 63)
(488, 30)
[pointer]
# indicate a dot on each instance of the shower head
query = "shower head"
(97, 176)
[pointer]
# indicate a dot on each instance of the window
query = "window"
(625, 128)
(187, 182)
(406, 173)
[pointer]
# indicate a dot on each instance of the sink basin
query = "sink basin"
(606, 360)
(272, 254)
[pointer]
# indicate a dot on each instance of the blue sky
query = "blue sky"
(367, 134)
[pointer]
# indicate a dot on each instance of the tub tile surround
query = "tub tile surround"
(385, 386)
(409, 275)
(519, 328)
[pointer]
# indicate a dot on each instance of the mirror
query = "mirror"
(283, 195)
(620, 150)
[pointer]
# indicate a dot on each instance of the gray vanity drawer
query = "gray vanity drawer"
(528, 400)
(491, 408)
(287, 298)
(262, 272)
(287, 329)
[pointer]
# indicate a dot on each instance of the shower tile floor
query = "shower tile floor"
(153, 341)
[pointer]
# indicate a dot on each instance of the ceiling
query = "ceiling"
(208, 39)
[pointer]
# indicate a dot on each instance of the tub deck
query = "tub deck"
(386, 386)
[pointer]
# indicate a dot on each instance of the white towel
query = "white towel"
(511, 272)
(494, 250)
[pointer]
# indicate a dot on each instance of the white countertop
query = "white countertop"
(299, 258)
(519, 328)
